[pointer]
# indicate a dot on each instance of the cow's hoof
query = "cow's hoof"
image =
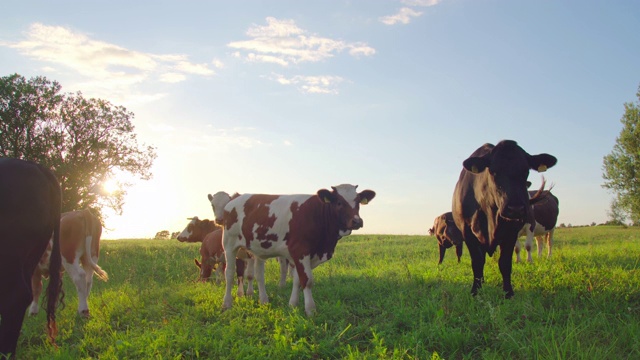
(85, 313)
(508, 295)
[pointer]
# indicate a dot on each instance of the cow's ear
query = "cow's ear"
(476, 164)
(542, 162)
(210, 197)
(197, 263)
(366, 196)
(326, 195)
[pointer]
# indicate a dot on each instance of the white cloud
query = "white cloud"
(103, 65)
(283, 42)
(311, 84)
(404, 16)
(217, 63)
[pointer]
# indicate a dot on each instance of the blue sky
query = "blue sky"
(289, 97)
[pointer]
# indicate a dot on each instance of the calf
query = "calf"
(80, 233)
(302, 228)
(545, 213)
(491, 204)
(30, 201)
(212, 259)
(448, 235)
(197, 230)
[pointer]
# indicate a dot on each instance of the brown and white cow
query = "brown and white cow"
(491, 204)
(80, 233)
(545, 213)
(212, 259)
(448, 235)
(30, 201)
(197, 229)
(304, 229)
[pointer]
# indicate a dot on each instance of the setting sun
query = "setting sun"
(110, 186)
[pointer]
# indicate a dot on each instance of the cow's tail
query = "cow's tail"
(89, 228)
(54, 289)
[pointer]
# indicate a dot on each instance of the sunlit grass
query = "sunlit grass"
(379, 297)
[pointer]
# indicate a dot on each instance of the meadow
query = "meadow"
(380, 297)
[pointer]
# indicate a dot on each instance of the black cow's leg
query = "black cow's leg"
(11, 321)
(505, 263)
(459, 251)
(442, 251)
(478, 257)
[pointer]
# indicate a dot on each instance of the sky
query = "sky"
(289, 97)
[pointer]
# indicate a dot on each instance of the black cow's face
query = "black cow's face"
(507, 169)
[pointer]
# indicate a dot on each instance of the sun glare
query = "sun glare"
(110, 186)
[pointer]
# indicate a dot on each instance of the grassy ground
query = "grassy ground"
(380, 297)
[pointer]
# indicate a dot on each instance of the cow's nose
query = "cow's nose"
(514, 212)
(357, 223)
(181, 238)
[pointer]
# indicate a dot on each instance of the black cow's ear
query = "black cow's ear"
(366, 196)
(326, 195)
(476, 164)
(542, 162)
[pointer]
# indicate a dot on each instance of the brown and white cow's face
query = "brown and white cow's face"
(188, 230)
(218, 201)
(345, 203)
(506, 169)
(196, 230)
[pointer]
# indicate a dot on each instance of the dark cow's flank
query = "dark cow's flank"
(491, 204)
(30, 201)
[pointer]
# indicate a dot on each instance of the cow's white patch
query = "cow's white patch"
(348, 192)
(186, 233)
(219, 201)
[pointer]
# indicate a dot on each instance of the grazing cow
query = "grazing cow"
(491, 204)
(304, 229)
(30, 201)
(545, 213)
(80, 233)
(212, 259)
(448, 235)
(196, 230)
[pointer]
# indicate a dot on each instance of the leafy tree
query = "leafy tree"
(85, 141)
(622, 166)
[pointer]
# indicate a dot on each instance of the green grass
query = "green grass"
(380, 297)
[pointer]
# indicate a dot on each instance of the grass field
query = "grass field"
(380, 297)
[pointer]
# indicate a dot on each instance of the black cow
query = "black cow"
(30, 201)
(491, 204)
(448, 235)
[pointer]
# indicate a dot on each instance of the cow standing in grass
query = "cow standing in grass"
(304, 229)
(448, 235)
(212, 259)
(30, 201)
(80, 233)
(545, 213)
(491, 204)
